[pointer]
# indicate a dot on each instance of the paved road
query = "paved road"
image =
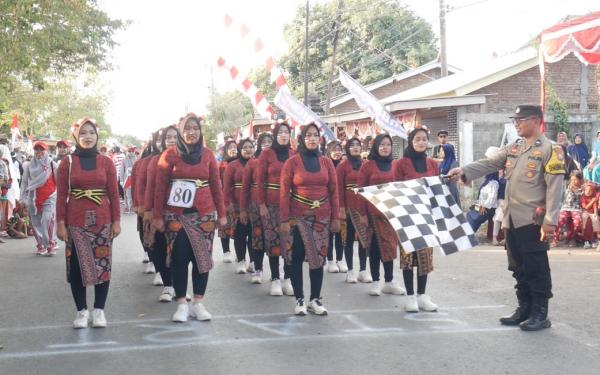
(252, 332)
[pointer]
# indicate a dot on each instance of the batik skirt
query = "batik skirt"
(200, 230)
(93, 245)
(315, 238)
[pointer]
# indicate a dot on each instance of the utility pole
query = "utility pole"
(336, 29)
(306, 57)
(443, 60)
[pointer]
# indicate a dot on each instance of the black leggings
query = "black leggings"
(409, 276)
(159, 257)
(181, 257)
(349, 249)
(339, 250)
(78, 290)
(140, 229)
(225, 244)
(316, 275)
(274, 266)
(242, 240)
(375, 258)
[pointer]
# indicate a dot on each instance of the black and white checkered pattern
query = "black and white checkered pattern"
(423, 213)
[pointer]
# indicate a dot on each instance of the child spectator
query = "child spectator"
(570, 212)
(589, 206)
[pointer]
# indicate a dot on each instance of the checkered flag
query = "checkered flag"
(423, 213)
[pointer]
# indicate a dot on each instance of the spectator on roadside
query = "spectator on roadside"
(62, 150)
(562, 139)
(570, 212)
(579, 151)
(589, 217)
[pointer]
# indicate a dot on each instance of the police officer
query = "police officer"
(534, 168)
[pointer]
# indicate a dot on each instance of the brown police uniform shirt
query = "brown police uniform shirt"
(535, 176)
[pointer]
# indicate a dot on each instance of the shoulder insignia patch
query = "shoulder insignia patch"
(556, 164)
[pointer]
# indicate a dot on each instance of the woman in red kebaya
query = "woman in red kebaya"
(249, 213)
(383, 240)
(139, 173)
(416, 164)
(309, 212)
(335, 152)
(188, 198)
(347, 175)
(226, 232)
(268, 177)
(232, 191)
(87, 213)
(167, 138)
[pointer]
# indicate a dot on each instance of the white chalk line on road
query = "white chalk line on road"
(242, 316)
(262, 340)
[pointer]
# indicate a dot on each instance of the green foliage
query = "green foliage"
(558, 108)
(44, 38)
(227, 112)
(377, 39)
(52, 111)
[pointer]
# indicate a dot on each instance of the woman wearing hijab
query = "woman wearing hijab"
(249, 214)
(268, 178)
(226, 233)
(383, 246)
(88, 216)
(335, 152)
(167, 138)
(487, 201)
(188, 198)
(139, 174)
(416, 164)
(579, 151)
(347, 175)
(38, 192)
(10, 190)
(309, 211)
(232, 190)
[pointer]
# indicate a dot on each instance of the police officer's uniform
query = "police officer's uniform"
(535, 175)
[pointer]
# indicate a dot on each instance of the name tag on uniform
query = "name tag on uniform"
(182, 194)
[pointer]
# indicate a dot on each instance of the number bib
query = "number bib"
(182, 194)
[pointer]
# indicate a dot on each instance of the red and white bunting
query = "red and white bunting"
(246, 33)
(259, 102)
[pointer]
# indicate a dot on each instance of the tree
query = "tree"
(226, 112)
(377, 38)
(52, 111)
(45, 38)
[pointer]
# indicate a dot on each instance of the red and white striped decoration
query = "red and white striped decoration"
(259, 48)
(248, 88)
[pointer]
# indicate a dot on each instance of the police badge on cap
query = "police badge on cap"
(523, 111)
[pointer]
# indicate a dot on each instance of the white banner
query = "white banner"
(301, 113)
(371, 105)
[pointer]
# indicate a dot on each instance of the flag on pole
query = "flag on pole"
(371, 105)
(301, 113)
(423, 213)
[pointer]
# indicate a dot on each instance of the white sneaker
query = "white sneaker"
(375, 288)
(227, 257)
(342, 266)
(250, 268)
(288, 290)
(256, 277)
(316, 306)
(182, 313)
(587, 245)
(199, 312)
(98, 318)
(81, 320)
(145, 259)
(188, 297)
(276, 288)
(158, 281)
(332, 267)
(167, 294)
(364, 277)
(350, 278)
(149, 268)
(300, 308)
(393, 288)
(241, 267)
(425, 304)
(410, 304)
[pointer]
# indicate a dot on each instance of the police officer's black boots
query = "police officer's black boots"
(539, 316)
(520, 315)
